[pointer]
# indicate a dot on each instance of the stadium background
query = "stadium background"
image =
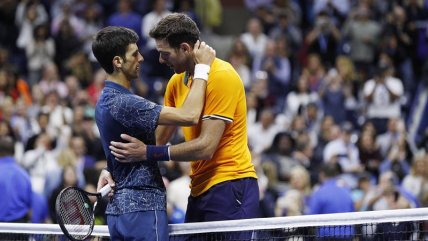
(305, 76)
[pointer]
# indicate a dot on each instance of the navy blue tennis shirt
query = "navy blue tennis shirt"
(139, 186)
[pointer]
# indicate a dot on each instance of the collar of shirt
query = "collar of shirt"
(113, 85)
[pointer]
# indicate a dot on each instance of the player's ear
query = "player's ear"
(186, 48)
(117, 62)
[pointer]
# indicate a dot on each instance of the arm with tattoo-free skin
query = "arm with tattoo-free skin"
(190, 112)
(164, 134)
(201, 148)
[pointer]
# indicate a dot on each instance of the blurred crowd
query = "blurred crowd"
(328, 82)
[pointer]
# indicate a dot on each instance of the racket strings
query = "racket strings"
(76, 213)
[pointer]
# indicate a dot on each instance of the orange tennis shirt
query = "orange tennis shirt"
(224, 100)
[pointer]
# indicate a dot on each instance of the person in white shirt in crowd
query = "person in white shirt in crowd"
(159, 10)
(382, 95)
(300, 97)
(28, 15)
(260, 136)
(342, 150)
(40, 162)
(254, 38)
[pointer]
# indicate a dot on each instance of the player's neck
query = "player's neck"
(120, 80)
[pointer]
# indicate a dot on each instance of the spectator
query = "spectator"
(40, 161)
(365, 187)
(324, 136)
(336, 9)
(96, 86)
(152, 70)
(28, 15)
(298, 98)
(66, 13)
(39, 126)
(188, 7)
(277, 65)
(397, 160)
(279, 156)
(158, 11)
(333, 94)
(290, 8)
(125, 16)
(7, 131)
(369, 153)
(254, 38)
(39, 209)
(416, 182)
(68, 179)
(363, 34)
(331, 197)
(267, 18)
(40, 51)
(78, 65)
(92, 18)
(239, 57)
(323, 39)
(388, 195)
(261, 135)
(11, 85)
(177, 193)
(315, 71)
(66, 44)
(382, 95)
(395, 130)
(290, 31)
(344, 76)
(295, 200)
(344, 152)
(313, 116)
(15, 185)
(399, 39)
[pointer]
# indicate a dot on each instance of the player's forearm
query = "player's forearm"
(198, 149)
(164, 134)
(192, 107)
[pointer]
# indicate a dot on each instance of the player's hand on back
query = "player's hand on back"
(203, 53)
(132, 150)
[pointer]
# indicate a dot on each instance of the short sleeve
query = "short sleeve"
(133, 111)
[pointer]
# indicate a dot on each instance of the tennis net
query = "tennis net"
(401, 224)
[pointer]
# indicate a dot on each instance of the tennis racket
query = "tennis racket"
(75, 212)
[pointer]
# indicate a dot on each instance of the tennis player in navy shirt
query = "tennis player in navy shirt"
(137, 210)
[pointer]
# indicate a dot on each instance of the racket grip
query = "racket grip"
(105, 190)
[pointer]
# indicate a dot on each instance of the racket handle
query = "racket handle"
(105, 190)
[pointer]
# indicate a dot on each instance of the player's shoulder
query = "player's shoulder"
(223, 72)
(221, 65)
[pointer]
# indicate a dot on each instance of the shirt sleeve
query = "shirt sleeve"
(223, 92)
(133, 111)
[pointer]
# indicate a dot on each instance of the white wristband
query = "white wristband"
(201, 71)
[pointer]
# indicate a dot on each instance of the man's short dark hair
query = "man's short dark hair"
(112, 41)
(176, 28)
(331, 169)
(7, 146)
